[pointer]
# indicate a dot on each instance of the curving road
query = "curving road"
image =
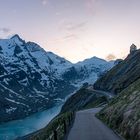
(88, 127)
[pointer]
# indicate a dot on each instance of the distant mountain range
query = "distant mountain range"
(32, 79)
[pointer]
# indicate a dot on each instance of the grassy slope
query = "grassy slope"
(123, 113)
(97, 103)
(44, 133)
(83, 98)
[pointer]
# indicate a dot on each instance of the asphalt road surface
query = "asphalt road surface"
(87, 127)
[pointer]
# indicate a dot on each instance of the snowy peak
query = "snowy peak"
(33, 47)
(88, 70)
(16, 36)
(17, 39)
(15, 48)
(95, 64)
(57, 59)
(92, 61)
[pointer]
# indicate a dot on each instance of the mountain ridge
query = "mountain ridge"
(122, 75)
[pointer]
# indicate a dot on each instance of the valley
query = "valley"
(32, 80)
(69, 70)
(118, 110)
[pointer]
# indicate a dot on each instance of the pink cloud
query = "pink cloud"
(70, 36)
(90, 4)
(71, 26)
(5, 30)
(44, 2)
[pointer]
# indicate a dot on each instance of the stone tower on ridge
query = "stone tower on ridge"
(133, 48)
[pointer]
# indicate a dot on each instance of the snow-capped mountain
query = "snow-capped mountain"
(32, 79)
(87, 71)
(29, 78)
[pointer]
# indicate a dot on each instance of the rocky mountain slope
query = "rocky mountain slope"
(29, 78)
(122, 75)
(87, 71)
(123, 113)
(32, 79)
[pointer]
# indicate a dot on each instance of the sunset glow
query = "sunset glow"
(74, 29)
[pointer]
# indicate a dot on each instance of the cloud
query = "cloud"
(71, 29)
(91, 5)
(61, 39)
(70, 36)
(72, 26)
(5, 30)
(44, 2)
(58, 13)
(111, 57)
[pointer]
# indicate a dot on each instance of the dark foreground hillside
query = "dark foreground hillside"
(82, 99)
(123, 113)
(122, 75)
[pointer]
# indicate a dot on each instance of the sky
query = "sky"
(74, 29)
